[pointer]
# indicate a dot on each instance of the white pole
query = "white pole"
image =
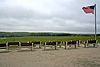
(95, 22)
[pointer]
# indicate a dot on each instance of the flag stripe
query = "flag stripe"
(89, 9)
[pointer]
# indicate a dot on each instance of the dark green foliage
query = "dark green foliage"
(22, 34)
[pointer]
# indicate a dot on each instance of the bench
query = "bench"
(3, 46)
(70, 43)
(51, 43)
(59, 43)
(26, 44)
(12, 44)
(35, 43)
(92, 42)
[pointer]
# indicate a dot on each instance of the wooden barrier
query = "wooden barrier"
(26, 44)
(12, 44)
(59, 43)
(3, 46)
(92, 42)
(70, 43)
(51, 43)
(78, 43)
(35, 43)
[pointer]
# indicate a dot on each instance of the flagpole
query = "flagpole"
(95, 23)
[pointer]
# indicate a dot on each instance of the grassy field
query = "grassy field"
(46, 38)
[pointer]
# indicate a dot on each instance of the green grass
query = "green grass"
(46, 38)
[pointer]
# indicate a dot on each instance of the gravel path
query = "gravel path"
(81, 57)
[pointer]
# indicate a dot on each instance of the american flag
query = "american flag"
(89, 9)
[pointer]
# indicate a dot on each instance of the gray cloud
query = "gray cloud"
(47, 15)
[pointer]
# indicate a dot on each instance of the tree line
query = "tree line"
(22, 34)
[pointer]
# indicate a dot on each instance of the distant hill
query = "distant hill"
(22, 34)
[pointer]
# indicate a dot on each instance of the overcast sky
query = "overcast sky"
(47, 16)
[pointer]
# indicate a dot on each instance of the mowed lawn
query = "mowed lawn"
(46, 38)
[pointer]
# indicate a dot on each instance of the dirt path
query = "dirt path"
(81, 57)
